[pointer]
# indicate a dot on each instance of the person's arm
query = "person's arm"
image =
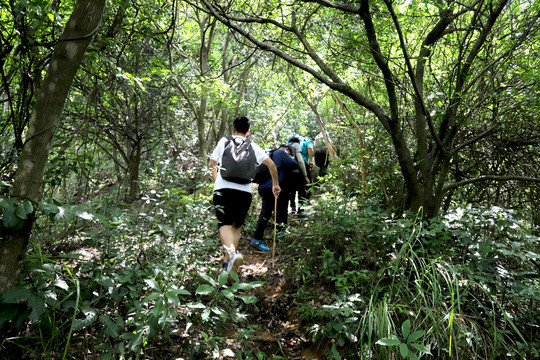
(310, 154)
(213, 168)
(274, 173)
(302, 166)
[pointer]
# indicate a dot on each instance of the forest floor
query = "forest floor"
(279, 332)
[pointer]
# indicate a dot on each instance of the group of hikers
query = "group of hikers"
(281, 173)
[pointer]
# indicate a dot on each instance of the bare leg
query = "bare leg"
(227, 236)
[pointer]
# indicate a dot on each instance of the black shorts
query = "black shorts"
(231, 206)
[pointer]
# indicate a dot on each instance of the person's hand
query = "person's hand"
(276, 190)
(306, 179)
(311, 164)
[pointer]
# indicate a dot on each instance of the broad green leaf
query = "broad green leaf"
(111, 327)
(404, 350)
(228, 353)
(179, 292)
(228, 294)
(153, 284)
(61, 284)
(62, 214)
(173, 298)
(37, 304)
(248, 299)
(166, 230)
(415, 336)
(220, 312)
(10, 219)
(16, 295)
(421, 348)
(392, 340)
(151, 297)
(23, 209)
(247, 286)
(4, 203)
(204, 289)
(222, 278)
(158, 307)
(205, 314)
(208, 279)
(195, 306)
(335, 353)
(136, 340)
(405, 328)
(90, 315)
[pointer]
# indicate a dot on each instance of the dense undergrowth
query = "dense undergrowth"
(142, 280)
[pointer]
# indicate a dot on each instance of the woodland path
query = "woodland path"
(279, 329)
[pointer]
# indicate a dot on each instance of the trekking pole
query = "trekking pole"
(275, 230)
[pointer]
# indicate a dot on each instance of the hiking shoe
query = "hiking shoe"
(235, 262)
(259, 245)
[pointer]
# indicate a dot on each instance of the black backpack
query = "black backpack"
(262, 172)
(238, 162)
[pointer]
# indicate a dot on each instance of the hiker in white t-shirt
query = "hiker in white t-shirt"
(232, 198)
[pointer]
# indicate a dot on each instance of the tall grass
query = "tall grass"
(422, 288)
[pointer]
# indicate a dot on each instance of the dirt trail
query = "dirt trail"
(278, 325)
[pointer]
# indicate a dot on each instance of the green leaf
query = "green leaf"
(153, 284)
(62, 214)
(16, 295)
(335, 352)
(247, 286)
(10, 219)
(404, 350)
(421, 348)
(228, 294)
(37, 304)
(208, 279)
(205, 314)
(204, 289)
(4, 202)
(151, 297)
(220, 312)
(179, 292)
(415, 336)
(392, 340)
(248, 299)
(61, 284)
(166, 230)
(173, 298)
(405, 328)
(228, 353)
(90, 315)
(222, 278)
(111, 327)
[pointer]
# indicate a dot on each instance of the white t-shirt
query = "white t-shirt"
(220, 183)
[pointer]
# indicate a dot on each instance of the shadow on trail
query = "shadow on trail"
(278, 330)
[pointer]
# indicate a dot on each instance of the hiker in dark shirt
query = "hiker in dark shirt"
(285, 164)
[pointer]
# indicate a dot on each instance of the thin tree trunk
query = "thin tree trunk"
(28, 181)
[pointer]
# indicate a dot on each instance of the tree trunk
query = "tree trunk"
(28, 181)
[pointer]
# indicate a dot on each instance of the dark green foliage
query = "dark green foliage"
(466, 283)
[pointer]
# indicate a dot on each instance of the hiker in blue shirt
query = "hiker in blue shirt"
(285, 164)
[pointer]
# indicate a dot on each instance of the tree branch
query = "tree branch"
(490, 178)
